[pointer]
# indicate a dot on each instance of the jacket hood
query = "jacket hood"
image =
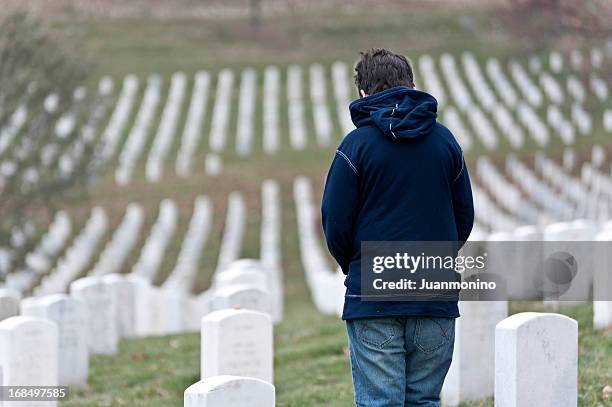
(401, 113)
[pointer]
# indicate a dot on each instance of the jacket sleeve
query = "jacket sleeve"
(463, 204)
(339, 209)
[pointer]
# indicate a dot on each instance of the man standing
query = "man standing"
(399, 176)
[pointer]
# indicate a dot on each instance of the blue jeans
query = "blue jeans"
(400, 362)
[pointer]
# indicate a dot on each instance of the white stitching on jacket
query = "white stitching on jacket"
(348, 160)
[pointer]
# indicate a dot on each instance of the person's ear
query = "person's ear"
(362, 93)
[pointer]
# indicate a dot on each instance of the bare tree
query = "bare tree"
(543, 21)
(47, 123)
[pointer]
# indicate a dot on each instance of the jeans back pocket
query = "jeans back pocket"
(377, 332)
(433, 333)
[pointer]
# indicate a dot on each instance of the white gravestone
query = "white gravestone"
(158, 311)
(574, 238)
(237, 342)
(124, 291)
(29, 355)
(174, 307)
(602, 282)
(230, 391)
(242, 297)
(536, 361)
(70, 317)
(471, 374)
(102, 336)
(199, 307)
(9, 303)
(144, 313)
(233, 277)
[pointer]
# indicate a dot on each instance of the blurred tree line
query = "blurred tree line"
(47, 123)
(577, 20)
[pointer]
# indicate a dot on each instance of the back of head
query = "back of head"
(380, 69)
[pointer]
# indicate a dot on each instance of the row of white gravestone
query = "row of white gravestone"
(478, 120)
(181, 278)
(72, 155)
(326, 285)
(586, 241)
(575, 88)
(221, 111)
(536, 128)
(295, 106)
(270, 244)
(40, 260)
(270, 110)
(112, 135)
(581, 118)
(457, 88)
(431, 81)
(537, 190)
(599, 87)
(483, 128)
(485, 97)
(66, 122)
(508, 126)
(193, 124)
(589, 195)
(552, 89)
(343, 96)
(569, 188)
(527, 359)
(555, 206)
(501, 83)
(502, 116)
(489, 213)
(77, 257)
(139, 133)
(91, 320)
(562, 126)
(248, 283)
(506, 193)
(478, 83)
(452, 119)
(320, 110)
(167, 127)
(236, 361)
(528, 88)
(154, 248)
(246, 112)
(233, 230)
(124, 238)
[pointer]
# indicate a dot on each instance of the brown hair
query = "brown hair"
(380, 69)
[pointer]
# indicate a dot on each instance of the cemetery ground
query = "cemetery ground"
(310, 349)
(311, 361)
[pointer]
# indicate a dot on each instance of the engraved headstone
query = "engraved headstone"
(70, 317)
(536, 361)
(237, 342)
(29, 355)
(102, 335)
(226, 391)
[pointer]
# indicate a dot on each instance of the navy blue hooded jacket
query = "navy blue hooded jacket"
(399, 176)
